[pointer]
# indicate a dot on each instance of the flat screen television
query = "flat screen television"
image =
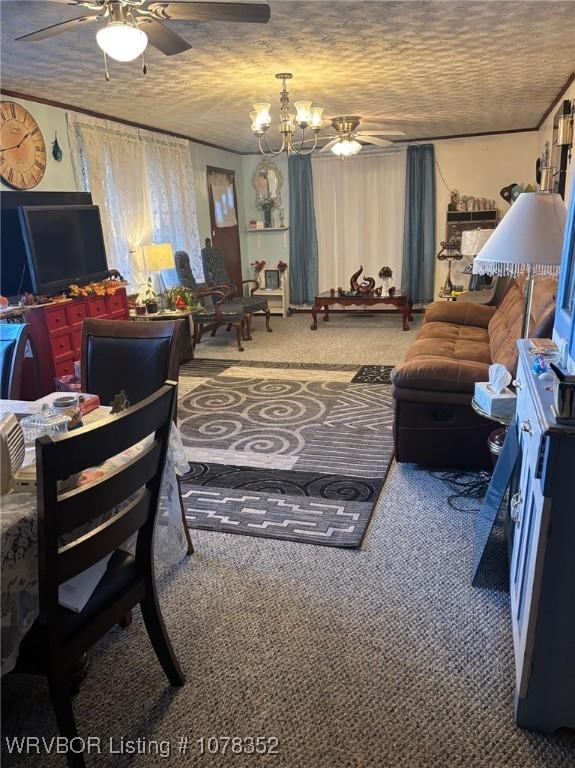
(64, 245)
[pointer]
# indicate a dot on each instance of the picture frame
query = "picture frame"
(272, 279)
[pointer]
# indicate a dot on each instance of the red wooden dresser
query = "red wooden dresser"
(56, 331)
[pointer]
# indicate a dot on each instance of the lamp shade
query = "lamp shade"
(528, 239)
(473, 240)
(158, 256)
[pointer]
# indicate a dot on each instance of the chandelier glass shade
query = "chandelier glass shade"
(306, 118)
(122, 41)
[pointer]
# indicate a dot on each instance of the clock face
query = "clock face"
(22, 148)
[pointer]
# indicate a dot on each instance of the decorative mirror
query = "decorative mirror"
(267, 182)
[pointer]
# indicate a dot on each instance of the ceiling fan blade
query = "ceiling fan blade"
(327, 147)
(63, 26)
(373, 140)
(381, 133)
(164, 39)
(319, 138)
(198, 11)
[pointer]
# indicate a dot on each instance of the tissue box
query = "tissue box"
(495, 403)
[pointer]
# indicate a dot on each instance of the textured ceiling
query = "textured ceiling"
(431, 68)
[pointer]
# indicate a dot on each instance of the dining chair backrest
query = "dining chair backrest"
(214, 265)
(136, 357)
(184, 270)
(13, 340)
(96, 518)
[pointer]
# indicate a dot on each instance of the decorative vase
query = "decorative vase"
(386, 285)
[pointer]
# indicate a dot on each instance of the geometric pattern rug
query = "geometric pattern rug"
(287, 451)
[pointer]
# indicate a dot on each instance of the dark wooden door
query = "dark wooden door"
(225, 238)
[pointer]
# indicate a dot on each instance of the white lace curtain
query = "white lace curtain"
(359, 210)
(143, 183)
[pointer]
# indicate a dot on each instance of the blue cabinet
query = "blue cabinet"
(565, 315)
(542, 568)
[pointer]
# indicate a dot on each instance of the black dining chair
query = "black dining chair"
(130, 498)
(13, 340)
(134, 357)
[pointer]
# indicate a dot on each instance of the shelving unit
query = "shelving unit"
(278, 298)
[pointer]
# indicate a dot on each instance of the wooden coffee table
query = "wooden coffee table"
(325, 300)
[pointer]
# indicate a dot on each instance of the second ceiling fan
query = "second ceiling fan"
(347, 139)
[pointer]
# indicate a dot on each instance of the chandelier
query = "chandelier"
(305, 118)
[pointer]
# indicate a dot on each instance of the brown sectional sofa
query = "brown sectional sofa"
(435, 424)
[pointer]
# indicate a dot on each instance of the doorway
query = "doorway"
(224, 222)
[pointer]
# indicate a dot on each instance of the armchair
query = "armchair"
(217, 275)
(215, 300)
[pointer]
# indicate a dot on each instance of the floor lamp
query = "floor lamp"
(528, 241)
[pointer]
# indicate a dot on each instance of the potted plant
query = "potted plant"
(150, 298)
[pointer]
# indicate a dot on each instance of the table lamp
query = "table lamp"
(528, 241)
(158, 256)
(472, 241)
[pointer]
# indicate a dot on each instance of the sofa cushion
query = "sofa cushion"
(505, 325)
(435, 374)
(460, 313)
(451, 349)
(453, 331)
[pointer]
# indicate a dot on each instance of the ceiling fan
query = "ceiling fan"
(347, 140)
(131, 24)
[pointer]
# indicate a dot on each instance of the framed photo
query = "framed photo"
(272, 279)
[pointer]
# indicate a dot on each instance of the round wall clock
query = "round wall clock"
(22, 147)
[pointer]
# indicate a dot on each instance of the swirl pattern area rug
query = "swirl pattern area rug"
(289, 451)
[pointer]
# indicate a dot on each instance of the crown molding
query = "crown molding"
(102, 116)
(559, 96)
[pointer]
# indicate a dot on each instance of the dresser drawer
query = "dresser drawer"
(76, 312)
(115, 303)
(77, 341)
(56, 318)
(62, 344)
(64, 367)
(97, 307)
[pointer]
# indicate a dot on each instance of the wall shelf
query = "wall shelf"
(269, 229)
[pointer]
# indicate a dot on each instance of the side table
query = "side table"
(497, 437)
(187, 346)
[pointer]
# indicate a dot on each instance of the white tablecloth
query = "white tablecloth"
(19, 547)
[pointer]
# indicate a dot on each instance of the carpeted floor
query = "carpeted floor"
(383, 657)
(292, 451)
(349, 337)
(380, 658)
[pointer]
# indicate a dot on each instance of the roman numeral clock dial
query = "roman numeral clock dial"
(22, 147)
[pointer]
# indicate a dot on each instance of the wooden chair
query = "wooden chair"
(60, 636)
(217, 307)
(217, 274)
(134, 357)
(13, 340)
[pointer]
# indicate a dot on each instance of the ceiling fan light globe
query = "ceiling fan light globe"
(346, 148)
(122, 42)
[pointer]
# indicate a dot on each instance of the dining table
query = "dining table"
(19, 538)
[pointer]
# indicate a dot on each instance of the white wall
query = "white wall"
(269, 246)
(545, 133)
(59, 176)
(202, 157)
(480, 167)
